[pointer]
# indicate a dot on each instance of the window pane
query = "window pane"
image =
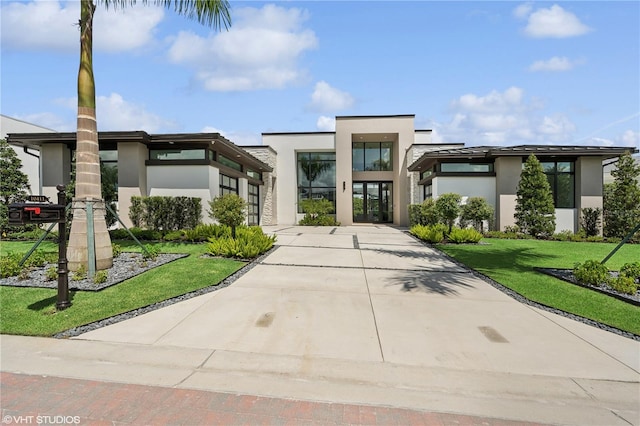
(372, 156)
(109, 156)
(177, 154)
(228, 162)
(565, 167)
(466, 167)
(548, 167)
(386, 156)
(358, 156)
(565, 191)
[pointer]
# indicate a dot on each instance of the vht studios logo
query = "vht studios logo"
(41, 420)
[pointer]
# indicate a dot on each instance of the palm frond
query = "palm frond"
(213, 13)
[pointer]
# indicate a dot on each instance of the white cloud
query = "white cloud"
(49, 120)
(237, 137)
(326, 124)
(493, 102)
(53, 25)
(553, 22)
(327, 98)
(503, 118)
(260, 51)
(44, 25)
(554, 64)
(523, 10)
(630, 138)
(114, 113)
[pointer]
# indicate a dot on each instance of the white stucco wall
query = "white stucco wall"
(472, 186)
(184, 181)
(566, 220)
(286, 145)
(30, 164)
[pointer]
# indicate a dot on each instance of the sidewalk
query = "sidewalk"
(360, 316)
(51, 400)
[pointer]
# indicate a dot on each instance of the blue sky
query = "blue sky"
(482, 73)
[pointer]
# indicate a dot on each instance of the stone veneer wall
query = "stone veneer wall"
(268, 206)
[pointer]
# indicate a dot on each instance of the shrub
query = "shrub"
(165, 213)
(430, 233)
(631, 270)
(467, 235)
(424, 214)
(100, 277)
(316, 212)
(590, 221)
(230, 210)
(150, 252)
(116, 249)
(204, 232)
(9, 265)
(564, 235)
(591, 272)
(623, 284)
(448, 208)
(174, 236)
(80, 274)
(51, 274)
(119, 234)
(250, 242)
(476, 211)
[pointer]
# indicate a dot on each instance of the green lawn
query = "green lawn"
(31, 311)
(511, 263)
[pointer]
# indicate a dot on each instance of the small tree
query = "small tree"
(622, 202)
(535, 213)
(477, 210)
(230, 210)
(448, 208)
(590, 221)
(14, 184)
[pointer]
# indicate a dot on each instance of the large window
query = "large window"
(253, 205)
(466, 167)
(561, 178)
(229, 162)
(177, 154)
(228, 185)
(316, 176)
(372, 156)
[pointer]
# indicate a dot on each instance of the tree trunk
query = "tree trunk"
(88, 188)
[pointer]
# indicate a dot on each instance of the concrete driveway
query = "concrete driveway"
(362, 314)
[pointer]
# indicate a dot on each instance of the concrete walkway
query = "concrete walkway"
(361, 315)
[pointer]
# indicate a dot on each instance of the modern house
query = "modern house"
(30, 158)
(371, 168)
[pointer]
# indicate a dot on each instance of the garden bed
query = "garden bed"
(125, 266)
(567, 275)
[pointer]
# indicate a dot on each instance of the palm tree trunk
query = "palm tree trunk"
(88, 188)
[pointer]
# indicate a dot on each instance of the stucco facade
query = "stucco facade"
(371, 168)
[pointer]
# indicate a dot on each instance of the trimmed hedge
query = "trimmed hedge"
(165, 213)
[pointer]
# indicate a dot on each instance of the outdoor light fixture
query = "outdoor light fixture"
(344, 186)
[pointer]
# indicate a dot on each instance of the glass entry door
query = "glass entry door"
(373, 202)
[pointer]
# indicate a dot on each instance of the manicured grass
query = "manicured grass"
(31, 311)
(511, 263)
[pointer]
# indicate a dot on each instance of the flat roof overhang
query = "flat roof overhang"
(493, 152)
(109, 140)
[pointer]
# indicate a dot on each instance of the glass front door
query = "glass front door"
(373, 202)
